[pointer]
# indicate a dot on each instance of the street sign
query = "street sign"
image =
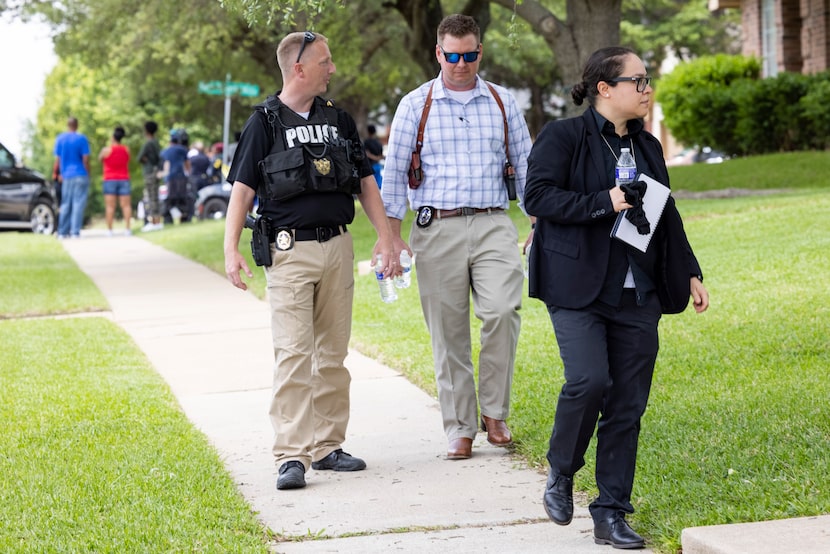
(227, 88)
(242, 89)
(212, 87)
(230, 88)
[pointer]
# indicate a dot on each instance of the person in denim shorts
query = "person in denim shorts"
(116, 160)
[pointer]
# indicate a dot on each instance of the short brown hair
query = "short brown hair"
(458, 25)
(290, 46)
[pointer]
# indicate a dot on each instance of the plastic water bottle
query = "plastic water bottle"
(387, 287)
(403, 280)
(626, 169)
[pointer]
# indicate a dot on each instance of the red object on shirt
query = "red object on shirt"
(116, 165)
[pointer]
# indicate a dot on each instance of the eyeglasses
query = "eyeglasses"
(308, 38)
(642, 82)
(455, 57)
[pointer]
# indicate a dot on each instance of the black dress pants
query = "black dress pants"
(609, 354)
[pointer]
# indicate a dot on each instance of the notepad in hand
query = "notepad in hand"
(654, 201)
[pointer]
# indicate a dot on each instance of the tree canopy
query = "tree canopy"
(144, 60)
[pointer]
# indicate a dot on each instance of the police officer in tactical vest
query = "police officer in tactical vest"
(302, 157)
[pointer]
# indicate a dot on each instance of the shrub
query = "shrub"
(769, 118)
(696, 100)
(815, 113)
(719, 101)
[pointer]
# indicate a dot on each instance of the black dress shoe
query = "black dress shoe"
(614, 530)
(559, 498)
(339, 461)
(292, 476)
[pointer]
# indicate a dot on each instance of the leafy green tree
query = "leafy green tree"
(656, 28)
(156, 52)
(570, 29)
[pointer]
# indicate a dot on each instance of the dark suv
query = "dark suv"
(27, 200)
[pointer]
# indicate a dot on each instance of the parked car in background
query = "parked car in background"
(212, 201)
(704, 154)
(27, 200)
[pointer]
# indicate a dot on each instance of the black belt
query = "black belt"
(320, 234)
(466, 211)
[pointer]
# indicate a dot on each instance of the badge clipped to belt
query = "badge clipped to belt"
(425, 215)
(284, 240)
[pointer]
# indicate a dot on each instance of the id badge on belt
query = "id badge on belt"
(284, 239)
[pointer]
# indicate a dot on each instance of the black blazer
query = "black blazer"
(567, 190)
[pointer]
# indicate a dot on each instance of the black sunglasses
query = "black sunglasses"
(642, 82)
(308, 37)
(455, 57)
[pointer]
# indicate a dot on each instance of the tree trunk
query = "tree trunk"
(590, 25)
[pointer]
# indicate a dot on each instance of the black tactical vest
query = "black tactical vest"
(307, 156)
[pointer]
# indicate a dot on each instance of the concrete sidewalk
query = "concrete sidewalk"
(212, 344)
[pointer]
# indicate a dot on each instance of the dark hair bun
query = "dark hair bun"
(579, 92)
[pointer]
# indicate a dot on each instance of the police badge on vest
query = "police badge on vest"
(308, 158)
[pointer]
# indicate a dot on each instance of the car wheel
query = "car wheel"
(43, 218)
(215, 208)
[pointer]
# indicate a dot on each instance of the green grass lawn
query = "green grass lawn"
(39, 278)
(737, 429)
(95, 453)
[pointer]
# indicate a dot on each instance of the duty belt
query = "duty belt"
(441, 214)
(320, 234)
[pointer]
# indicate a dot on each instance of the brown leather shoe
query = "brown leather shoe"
(460, 449)
(497, 432)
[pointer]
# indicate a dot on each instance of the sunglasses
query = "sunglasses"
(642, 82)
(308, 38)
(455, 57)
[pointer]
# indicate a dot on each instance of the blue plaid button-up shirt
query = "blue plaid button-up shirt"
(463, 154)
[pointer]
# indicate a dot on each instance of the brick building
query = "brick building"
(788, 35)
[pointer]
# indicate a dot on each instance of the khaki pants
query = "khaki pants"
(310, 290)
(454, 257)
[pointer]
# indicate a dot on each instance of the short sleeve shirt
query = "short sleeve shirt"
(308, 210)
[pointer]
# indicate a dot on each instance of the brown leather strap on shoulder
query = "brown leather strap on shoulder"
(503, 116)
(419, 142)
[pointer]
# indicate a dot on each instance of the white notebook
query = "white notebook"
(654, 201)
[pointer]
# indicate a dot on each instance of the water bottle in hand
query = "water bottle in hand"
(626, 169)
(403, 280)
(387, 287)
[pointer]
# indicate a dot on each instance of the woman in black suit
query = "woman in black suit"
(605, 298)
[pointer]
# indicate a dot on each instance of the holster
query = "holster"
(416, 175)
(510, 180)
(260, 239)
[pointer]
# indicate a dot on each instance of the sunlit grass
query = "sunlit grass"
(96, 455)
(38, 278)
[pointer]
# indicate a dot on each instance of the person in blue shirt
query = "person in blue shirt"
(72, 167)
(374, 151)
(177, 168)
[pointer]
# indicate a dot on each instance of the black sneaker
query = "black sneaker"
(340, 461)
(292, 476)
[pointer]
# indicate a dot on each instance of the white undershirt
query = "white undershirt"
(462, 96)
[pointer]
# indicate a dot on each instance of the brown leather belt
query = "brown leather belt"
(440, 214)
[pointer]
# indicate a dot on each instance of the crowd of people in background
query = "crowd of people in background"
(183, 168)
